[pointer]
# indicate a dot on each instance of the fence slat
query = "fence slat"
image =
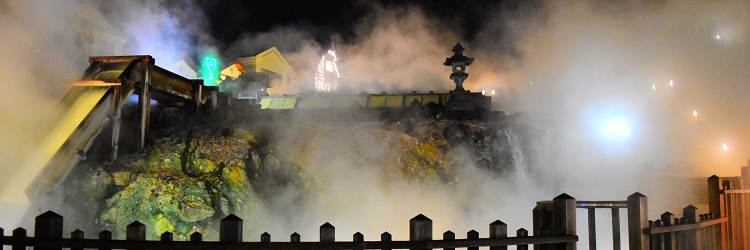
(521, 232)
(498, 230)
(78, 235)
(19, 233)
(616, 243)
(48, 225)
(472, 235)
(420, 229)
(385, 237)
(327, 232)
(592, 228)
(230, 229)
(448, 235)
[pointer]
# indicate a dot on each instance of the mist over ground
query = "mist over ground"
(572, 68)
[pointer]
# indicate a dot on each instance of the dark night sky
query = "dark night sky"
(230, 18)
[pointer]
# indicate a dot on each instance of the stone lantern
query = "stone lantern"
(459, 62)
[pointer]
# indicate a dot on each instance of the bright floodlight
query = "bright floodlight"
(724, 147)
(695, 113)
(616, 129)
(653, 87)
(671, 83)
(718, 37)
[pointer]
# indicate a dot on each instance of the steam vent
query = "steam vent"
(459, 62)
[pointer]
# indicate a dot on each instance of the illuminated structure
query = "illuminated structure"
(251, 77)
(327, 76)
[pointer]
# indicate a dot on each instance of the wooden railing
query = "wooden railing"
(48, 235)
(725, 226)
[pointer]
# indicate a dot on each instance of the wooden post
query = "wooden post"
(669, 238)
(420, 229)
(592, 228)
(564, 219)
(472, 235)
(520, 233)
(135, 231)
(144, 101)
(386, 237)
(714, 197)
(745, 172)
(19, 234)
(230, 229)
(616, 243)
(76, 235)
(690, 213)
(448, 235)
(116, 121)
(196, 237)
(167, 236)
(327, 233)
(295, 238)
(105, 235)
(358, 238)
(265, 237)
(638, 221)
(48, 225)
(498, 230)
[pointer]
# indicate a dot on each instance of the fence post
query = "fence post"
(167, 236)
(105, 235)
(690, 213)
(638, 221)
(358, 238)
(230, 229)
(19, 234)
(76, 235)
(265, 237)
(564, 219)
(745, 173)
(135, 231)
(48, 225)
(498, 230)
(196, 237)
(669, 238)
(327, 233)
(472, 235)
(714, 197)
(420, 229)
(294, 238)
(521, 233)
(385, 237)
(449, 235)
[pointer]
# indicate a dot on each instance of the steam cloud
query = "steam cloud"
(587, 61)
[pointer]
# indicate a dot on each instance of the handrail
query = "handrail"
(686, 227)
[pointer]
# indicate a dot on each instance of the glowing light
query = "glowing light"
(211, 65)
(327, 76)
(616, 129)
(530, 83)
(718, 37)
(483, 92)
(724, 147)
(209, 70)
(671, 83)
(653, 87)
(493, 92)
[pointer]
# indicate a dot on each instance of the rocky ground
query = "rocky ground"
(195, 173)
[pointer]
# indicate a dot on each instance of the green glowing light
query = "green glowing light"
(210, 69)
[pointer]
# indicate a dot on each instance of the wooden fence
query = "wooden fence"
(48, 235)
(725, 226)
